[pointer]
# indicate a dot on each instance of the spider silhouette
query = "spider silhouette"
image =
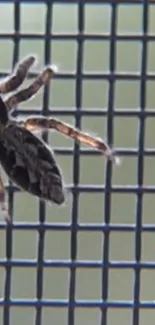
(27, 160)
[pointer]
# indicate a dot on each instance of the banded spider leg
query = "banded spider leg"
(43, 123)
(3, 203)
(25, 94)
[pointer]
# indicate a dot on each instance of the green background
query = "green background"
(91, 206)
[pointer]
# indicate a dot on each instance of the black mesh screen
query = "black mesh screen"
(138, 113)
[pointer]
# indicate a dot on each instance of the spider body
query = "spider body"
(30, 163)
(27, 160)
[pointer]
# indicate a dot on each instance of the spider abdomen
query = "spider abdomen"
(30, 164)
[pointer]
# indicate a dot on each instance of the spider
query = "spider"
(26, 159)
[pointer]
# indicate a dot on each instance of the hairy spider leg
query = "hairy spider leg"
(20, 72)
(25, 94)
(43, 123)
(3, 204)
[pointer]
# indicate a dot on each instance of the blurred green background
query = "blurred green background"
(91, 206)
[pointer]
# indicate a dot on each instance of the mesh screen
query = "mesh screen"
(108, 218)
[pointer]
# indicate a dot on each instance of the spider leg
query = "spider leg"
(43, 123)
(26, 93)
(19, 74)
(3, 204)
